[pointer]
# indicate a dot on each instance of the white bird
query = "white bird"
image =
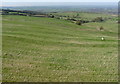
(102, 38)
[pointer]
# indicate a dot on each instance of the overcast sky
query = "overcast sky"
(60, 0)
(22, 2)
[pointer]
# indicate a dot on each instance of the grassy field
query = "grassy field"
(47, 49)
(85, 15)
(0, 48)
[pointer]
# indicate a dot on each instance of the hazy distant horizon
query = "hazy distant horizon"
(61, 1)
(5, 4)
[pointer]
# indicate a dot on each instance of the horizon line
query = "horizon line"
(64, 1)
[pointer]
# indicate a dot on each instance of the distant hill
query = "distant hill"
(105, 7)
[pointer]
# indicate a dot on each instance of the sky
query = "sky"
(25, 2)
(60, 0)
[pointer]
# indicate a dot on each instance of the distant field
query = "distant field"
(45, 49)
(86, 15)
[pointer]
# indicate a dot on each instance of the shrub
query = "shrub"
(78, 22)
(98, 19)
(101, 28)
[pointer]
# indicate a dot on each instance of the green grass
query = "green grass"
(45, 49)
(0, 48)
(86, 16)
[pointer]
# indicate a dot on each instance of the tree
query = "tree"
(77, 15)
(52, 16)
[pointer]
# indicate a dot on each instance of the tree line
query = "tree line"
(41, 14)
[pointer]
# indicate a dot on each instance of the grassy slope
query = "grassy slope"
(45, 49)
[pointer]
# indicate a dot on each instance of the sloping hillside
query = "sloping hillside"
(45, 49)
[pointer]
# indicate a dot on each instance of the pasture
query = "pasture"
(37, 49)
(85, 15)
